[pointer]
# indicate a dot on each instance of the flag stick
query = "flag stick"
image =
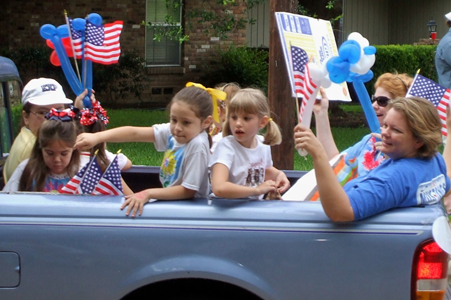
(72, 45)
(84, 51)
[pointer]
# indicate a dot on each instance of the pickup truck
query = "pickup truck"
(83, 247)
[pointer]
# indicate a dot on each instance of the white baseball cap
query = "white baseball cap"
(448, 16)
(44, 91)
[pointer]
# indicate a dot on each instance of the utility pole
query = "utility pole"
(282, 104)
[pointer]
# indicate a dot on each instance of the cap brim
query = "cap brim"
(45, 102)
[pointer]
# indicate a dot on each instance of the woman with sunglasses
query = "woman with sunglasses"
(363, 156)
(414, 172)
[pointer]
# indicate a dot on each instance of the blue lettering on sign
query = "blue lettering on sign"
(325, 50)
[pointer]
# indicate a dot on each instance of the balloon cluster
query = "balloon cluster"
(354, 61)
(58, 39)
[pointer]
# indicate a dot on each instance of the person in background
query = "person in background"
(414, 172)
(362, 156)
(241, 166)
(185, 140)
(38, 97)
(443, 56)
(216, 128)
(53, 160)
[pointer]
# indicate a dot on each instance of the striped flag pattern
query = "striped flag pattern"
(101, 42)
(438, 95)
(110, 183)
(85, 180)
(304, 86)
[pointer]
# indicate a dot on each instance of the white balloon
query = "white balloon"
(354, 36)
(315, 73)
(325, 82)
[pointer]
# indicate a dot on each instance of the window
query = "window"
(164, 52)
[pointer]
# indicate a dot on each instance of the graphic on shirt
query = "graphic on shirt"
(432, 191)
(371, 157)
(170, 167)
(255, 174)
(55, 184)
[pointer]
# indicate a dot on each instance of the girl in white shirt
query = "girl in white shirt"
(241, 166)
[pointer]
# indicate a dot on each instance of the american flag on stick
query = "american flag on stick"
(85, 180)
(101, 42)
(110, 183)
(438, 95)
(304, 86)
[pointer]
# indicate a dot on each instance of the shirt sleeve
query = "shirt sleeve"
(161, 133)
(223, 154)
(195, 165)
(13, 183)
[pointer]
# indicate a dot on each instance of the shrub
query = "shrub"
(244, 65)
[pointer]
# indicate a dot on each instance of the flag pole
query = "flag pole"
(72, 45)
(84, 52)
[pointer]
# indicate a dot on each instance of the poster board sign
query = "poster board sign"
(314, 36)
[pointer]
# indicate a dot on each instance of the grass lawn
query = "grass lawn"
(145, 153)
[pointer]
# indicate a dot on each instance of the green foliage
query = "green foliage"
(404, 59)
(244, 65)
(118, 81)
(17, 117)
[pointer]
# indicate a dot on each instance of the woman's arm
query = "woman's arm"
(223, 188)
(116, 135)
(334, 200)
(136, 201)
(323, 131)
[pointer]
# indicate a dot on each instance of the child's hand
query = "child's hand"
(135, 203)
(321, 106)
(282, 182)
(266, 187)
(86, 141)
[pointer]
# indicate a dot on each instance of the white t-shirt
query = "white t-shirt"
(121, 159)
(183, 164)
(246, 166)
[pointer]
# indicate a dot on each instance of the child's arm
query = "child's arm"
(136, 201)
(122, 134)
(127, 190)
(282, 182)
(223, 188)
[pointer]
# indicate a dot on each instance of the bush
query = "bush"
(244, 65)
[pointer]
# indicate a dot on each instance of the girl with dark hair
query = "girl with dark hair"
(53, 160)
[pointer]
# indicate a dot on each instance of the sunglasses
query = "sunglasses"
(382, 101)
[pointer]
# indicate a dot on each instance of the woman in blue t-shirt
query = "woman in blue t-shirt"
(413, 173)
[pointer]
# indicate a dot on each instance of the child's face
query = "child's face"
(185, 125)
(245, 127)
(57, 156)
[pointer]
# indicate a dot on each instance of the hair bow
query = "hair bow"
(215, 95)
(90, 116)
(66, 115)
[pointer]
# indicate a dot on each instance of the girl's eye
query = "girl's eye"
(186, 123)
(233, 117)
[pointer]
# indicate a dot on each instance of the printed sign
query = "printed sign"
(316, 38)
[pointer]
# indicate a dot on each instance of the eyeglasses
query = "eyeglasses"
(382, 101)
(39, 114)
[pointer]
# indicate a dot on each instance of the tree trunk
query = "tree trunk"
(279, 91)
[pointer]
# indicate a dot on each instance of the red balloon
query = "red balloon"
(54, 59)
(50, 44)
(66, 41)
(69, 51)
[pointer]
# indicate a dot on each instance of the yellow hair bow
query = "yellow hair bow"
(215, 95)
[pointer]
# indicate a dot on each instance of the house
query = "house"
(169, 64)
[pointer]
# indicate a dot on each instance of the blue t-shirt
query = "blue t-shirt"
(363, 155)
(398, 183)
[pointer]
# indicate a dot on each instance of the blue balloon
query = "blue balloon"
(365, 101)
(95, 19)
(365, 77)
(350, 51)
(369, 50)
(62, 31)
(338, 69)
(47, 31)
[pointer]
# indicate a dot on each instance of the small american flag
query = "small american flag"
(438, 95)
(110, 183)
(304, 86)
(85, 180)
(101, 42)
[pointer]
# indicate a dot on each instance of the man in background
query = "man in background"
(443, 57)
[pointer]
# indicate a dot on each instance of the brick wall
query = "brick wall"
(21, 20)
